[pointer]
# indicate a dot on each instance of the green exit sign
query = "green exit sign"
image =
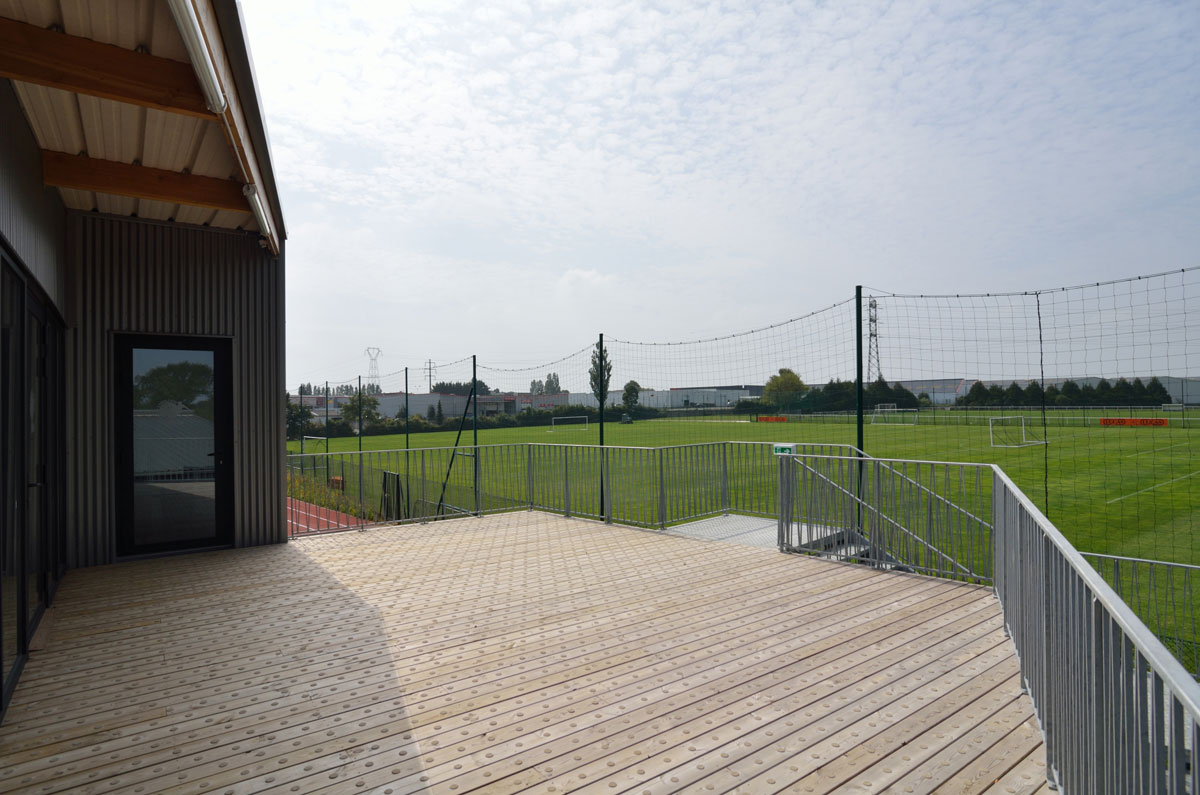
(785, 449)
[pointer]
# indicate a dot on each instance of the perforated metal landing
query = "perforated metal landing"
(752, 531)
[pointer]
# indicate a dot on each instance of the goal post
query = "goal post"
(1011, 432)
(888, 414)
(569, 423)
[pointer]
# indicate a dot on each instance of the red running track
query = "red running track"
(304, 517)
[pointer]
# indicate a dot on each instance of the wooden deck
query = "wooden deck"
(518, 653)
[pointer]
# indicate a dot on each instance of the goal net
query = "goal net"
(1011, 432)
(888, 414)
(569, 423)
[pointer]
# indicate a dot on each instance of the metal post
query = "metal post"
(725, 477)
(785, 503)
(326, 432)
(858, 346)
(662, 494)
(361, 508)
(858, 403)
(475, 429)
(407, 456)
(529, 473)
(605, 490)
(603, 398)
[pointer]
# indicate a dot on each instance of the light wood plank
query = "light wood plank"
(515, 653)
(1027, 776)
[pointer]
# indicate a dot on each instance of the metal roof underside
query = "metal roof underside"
(79, 124)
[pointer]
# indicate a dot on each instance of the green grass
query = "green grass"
(1122, 491)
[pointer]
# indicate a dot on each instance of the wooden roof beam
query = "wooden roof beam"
(79, 172)
(72, 63)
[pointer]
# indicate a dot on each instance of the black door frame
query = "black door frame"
(222, 350)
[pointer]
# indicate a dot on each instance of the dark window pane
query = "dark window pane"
(34, 487)
(174, 489)
(11, 386)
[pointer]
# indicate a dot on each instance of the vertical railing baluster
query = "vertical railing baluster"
(725, 477)
(662, 496)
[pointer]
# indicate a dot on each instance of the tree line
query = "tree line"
(786, 392)
(1069, 393)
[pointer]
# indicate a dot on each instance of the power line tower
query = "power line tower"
(430, 369)
(373, 369)
(874, 366)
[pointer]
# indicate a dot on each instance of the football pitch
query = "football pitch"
(1131, 491)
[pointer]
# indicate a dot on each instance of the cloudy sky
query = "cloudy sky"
(509, 179)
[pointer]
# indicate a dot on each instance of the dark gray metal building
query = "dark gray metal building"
(141, 295)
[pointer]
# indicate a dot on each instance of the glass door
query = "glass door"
(12, 476)
(36, 582)
(174, 443)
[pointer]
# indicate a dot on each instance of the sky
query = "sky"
(511, 179)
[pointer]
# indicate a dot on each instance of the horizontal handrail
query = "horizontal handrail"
(1113, 702)
(1155, 652)
(1125, 559)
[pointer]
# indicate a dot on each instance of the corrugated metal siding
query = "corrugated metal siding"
(137, 276)
(31, 216)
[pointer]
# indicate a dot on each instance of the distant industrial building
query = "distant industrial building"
(722, 397)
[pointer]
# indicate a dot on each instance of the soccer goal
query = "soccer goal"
(314, 444)
(1011, 432)
(888, 414)
(568, 423)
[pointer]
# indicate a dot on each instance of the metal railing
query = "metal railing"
(1163, 595)
(639, 486)
(918, 516)
(1119, 713)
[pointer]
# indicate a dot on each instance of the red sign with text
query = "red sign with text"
(771, 419)
(1138, 422)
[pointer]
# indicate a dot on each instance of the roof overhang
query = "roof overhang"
(153, 115)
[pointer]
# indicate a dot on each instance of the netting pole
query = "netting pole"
(603, 400)
(475, 428)
(327, 432)
(361, 507)
(603, 359)
(858, 347)
(858, 404)
(1045, 434)
(407, 455)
